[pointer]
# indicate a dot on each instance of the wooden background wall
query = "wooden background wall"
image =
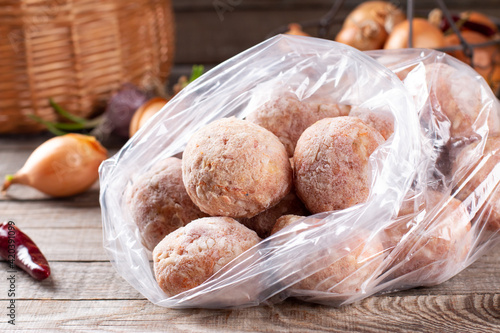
(211, 31)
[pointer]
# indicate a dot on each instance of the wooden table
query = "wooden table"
(85, 293)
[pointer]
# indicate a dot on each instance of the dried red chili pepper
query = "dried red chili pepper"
(17, 248)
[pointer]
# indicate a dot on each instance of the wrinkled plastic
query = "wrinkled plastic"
(406, 171)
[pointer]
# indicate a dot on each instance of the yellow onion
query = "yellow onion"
(62, 166)
(369, 36)
(295, 29)
(494, 79)
(485, 59)
(425, 35)
(368, 25)
(144, 112)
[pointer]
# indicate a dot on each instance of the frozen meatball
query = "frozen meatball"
(235, 168)
(284, 221)
(287, 116)
(331, 163)
(379, 120)
(458, 96)
(431, 250)
(264, 222)
(468, 158)
(356, 260)
(159, 203)
(190, 255)
(402, 72)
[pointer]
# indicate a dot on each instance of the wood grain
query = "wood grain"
(82, 211)
(69, 244)
(86, 294)
(191, 5)
(95, 281)
(99, 280)
(204, 36)
(463, 313)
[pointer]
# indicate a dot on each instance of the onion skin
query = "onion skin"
(62, 166)
(368, 37)
(378, 11)
(483, 58)
(495, 77)
(144, 112)
(369, 24)
(425, 35)
(296, 29)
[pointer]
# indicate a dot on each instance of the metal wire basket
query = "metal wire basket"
(330, 20)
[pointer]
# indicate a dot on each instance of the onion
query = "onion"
(62, 166)
(495, 77)
(383, 13)
(425, 35)
(483, 58)
(369, 36)
(473, 21)
(368, 25)
(145, 112)
(121, 107)
(435, 18)
(295, 29)
(479, 18)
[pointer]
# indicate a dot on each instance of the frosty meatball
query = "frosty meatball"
(468, 158)
(354, 262)
(331, 163)
(379, 120)
(190, 255)
(284, 221)
(287, 116)
(235, 168)
(159, 203)
(458, 96)
(429, 251)
(264, 222)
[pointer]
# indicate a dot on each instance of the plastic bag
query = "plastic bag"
(460, 123)
(348, 254)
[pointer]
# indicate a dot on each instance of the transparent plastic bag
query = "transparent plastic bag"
(348, 254)
(456, 196)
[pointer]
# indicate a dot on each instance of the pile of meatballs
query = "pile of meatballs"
(240, 181)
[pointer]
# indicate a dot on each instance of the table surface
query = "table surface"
(84, 292)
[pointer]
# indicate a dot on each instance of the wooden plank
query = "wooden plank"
(462, 313)
(12, 158)
(73, 281)
(99, 280)
(82, 211)
(69, 244)
(209, 36)
(20, 196)
(193, 5)
(85, 244)
(203, 38)
(21, 142)
(86, 294)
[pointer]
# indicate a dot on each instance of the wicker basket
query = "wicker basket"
(77, 52)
